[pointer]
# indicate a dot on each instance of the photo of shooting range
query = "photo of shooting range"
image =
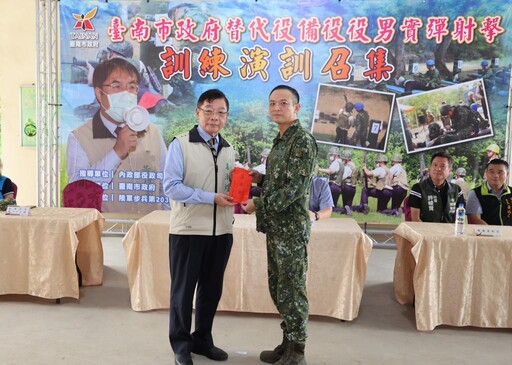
(447, 116)
(352, 117)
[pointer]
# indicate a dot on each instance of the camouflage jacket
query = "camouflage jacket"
(287, 182)
(361, 127)
(465, 121)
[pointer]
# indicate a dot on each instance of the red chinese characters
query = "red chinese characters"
(464, 29)
(235, 27)
(386, 31)
(437, 28)
(163, 28)
(491, 28)
(140, 30)
(378, 67)
(211, 63)
(116, 29)
(175, 63)
(410, 26)
(337, 65)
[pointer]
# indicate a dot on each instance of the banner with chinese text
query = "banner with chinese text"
(372, 56)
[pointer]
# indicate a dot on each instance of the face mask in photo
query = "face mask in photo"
(119, 102)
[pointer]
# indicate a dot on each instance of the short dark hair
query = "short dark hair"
(295, 93)
(497, 161)
(105, 68)
(442, 154)
(210, 95)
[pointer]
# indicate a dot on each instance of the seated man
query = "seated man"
(320, 199)
(435, 199)
(335, 172)
(490, 203)
(6, 188)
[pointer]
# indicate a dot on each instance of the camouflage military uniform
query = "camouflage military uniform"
(489, 80)
(282, 213)
(361, 128)
(464, 121)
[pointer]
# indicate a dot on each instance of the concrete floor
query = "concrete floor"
(101, 328)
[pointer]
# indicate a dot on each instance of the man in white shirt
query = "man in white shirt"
(127, 164)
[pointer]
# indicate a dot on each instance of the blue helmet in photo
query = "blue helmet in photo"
(484, 63)
(430, 63)
(358, 106)
(474, 106)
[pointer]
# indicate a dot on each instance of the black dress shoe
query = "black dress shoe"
(213, 353)
(183, 359)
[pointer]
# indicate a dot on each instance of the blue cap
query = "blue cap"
(484, 63)
(358, 106)
(430, 63)
(474, 106)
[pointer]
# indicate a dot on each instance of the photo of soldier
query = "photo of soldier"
(345, 121)
(350, 117)
(428, 81)
(458, 179)
(444, 116)
(493, 151)
(359, 138)
(334, 172)
(487, 74)
(380, 188)
(399, 185)
(465, 122)
(348, 184)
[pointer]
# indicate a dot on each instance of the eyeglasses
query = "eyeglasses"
(132, 87)
(210, 112)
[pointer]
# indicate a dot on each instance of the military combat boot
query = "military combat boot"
(293, 354)
(271, 356)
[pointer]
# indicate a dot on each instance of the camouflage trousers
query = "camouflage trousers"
(287, 267)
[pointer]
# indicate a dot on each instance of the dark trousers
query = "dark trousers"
(383, 197)
(201, 261)
(341, 136)
(346, 191)
(398, 197)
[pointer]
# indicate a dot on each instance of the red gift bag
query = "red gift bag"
(241, 183)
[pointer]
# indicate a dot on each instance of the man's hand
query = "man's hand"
(126, 142)
(224, 200)
(248, 206)
(256, 176)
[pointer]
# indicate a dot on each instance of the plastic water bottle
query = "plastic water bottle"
(460, 216)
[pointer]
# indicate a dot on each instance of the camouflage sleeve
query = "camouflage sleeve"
(296, 175)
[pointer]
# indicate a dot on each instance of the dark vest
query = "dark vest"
(431, 198)
(495, 210)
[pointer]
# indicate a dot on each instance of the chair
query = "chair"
(14, 189)
(82, 194)
(407, 210)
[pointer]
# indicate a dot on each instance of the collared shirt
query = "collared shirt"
(473, 205)
(174, 174)
(320, 196)
(77, 159)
